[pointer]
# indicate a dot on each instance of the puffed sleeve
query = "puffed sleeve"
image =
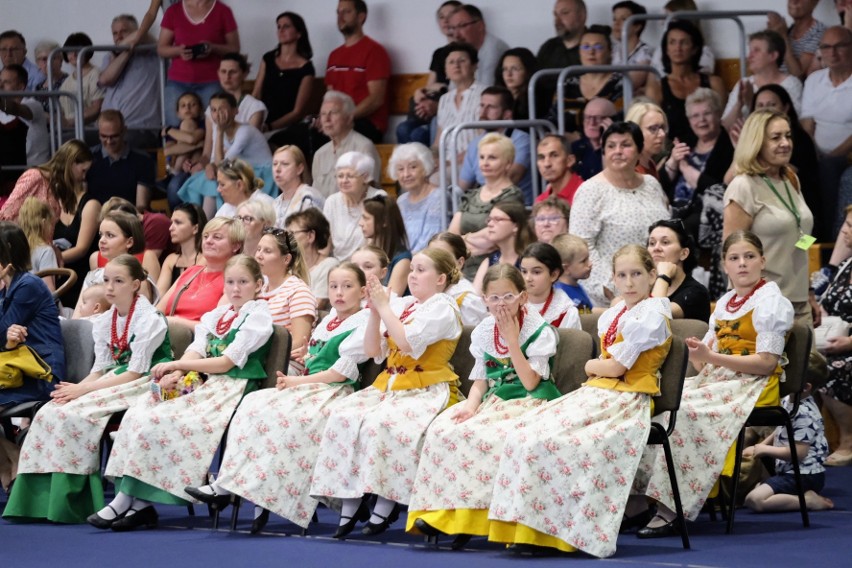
(203, 328)
(473, 309)
(710, 337)
(351, 351)
(541, 350)
(480, 337)
(772, 319)
(571, 319)
(254, 332)
(100, 334)
(148, 334)
(433, 321)
(644, 330)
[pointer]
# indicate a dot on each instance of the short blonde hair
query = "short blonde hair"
(503, 143)
(569, 247)
(299, 158)
(637, 111)
(752, 138)
(240, 170)
(236, 231)
(261, 210)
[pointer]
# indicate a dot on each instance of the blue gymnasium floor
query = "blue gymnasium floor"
(758, 540)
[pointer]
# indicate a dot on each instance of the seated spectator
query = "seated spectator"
(495, 103)
(13, 51)
(43, 50)
(675, 255)
(36, 221)
(596, 117)
(574, 253)
(549, 219)
(93, 302)
(689, 170)
(706, 61)
(285, 77)
(802, 38)
(361, 69)
(194, 37)
(420, 204)
(508, 234)
(468, 23)
(652, 120)
(344, 208)
(555, 164)
(682, 43)
(595, 49)
(291, 175)
(461, 103)
(187, 226)
(258, 218)
(118, 170)
(337, 120)
(423, 106)
(14, 134)
(155, 226)
(93, 95)
(765, 55)
(569, 19)
(313, 235)
(126, 80)
(27, 110)
(514, 71)
(184, 144)
(233, 71)
(382, 226)
(638, 52)
(231, 140)
(236, 184)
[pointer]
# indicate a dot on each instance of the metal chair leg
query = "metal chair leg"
(794, 458)
(667, 450)
(738, 454)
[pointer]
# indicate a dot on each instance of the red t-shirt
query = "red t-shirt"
(212, 29)
(201, 293)
(350, 68)
(156, 229)
(566, 193)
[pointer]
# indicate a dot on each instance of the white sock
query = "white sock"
(138, 505)
(258, 511)
(383, 507)
(116, 507)
(350, 507)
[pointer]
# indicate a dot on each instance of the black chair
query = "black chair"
(798, 350)
(672, 374)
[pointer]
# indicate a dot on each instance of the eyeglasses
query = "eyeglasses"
(342, 176)
(593, 118)
(700, 115)
(463, 26)
(822, 46)
(592, 46)
(245, 218)
(655, 129)
(549, 219)
(506, 298)
(490, 219)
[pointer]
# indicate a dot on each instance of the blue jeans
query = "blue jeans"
(174, 89)
(413, 131)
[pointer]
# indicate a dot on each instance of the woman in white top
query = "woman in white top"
(93, 95)
(236, 183)
(290, 172)
(461, 103)
(344, 208)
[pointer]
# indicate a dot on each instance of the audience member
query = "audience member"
(674, 254)
(14, 133)
(596, 117)
(93, 95)
(514, 71)
(461, 103)
(27, 110)
(802, 38)
(652, 120)
(233, 71)
(569, 19)
(126, 78)
(468, 23)
(555, 164)
(361, 69)
(291, 175)
(508, 234)
(118, 170)
(237, 183)
(495, 103)
(337, 116)
(155, 226)
(638, 52)
(185, 231)
(576, 264)
(541, 267)
(183, 144)
(313, 234)
(13, 51)
(420, 205)
(382, 226)
(258, 218)
(706, 59)
(36, 221)
(549, 218)
(42, 51)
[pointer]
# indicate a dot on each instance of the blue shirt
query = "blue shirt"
(470, 172)
(578, 296)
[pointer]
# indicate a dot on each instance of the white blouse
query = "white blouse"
(351, 350)
(472, 307)
(255, 328)
(538, 352)
(346, 235)
(435, 319)
(642, 327)
(561, 304)
(147, 330)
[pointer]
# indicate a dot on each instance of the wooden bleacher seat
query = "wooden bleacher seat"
(729, 71)
(385, 151)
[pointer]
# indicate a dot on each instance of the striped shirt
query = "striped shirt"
(292, 299)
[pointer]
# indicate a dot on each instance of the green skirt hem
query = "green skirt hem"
(58, 497)
(141, 490)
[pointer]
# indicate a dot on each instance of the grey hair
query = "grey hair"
(361, 163)
(45, 47)
(705, 95)
(408, 153)
(261, 209)
(129, 18)
(346, 102)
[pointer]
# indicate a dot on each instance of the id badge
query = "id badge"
(805, 242)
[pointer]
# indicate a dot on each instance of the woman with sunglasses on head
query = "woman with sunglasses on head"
(672, 250)
(186, 229)
(256, 216)
(285, 288)
(237, 184)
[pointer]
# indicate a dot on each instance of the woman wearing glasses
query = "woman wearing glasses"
(507, 230)
(550, 218)
(313, 234)
(256, 216)
(654, 124)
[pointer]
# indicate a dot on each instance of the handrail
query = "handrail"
(48, 94)
(625, 49)
(56, 116)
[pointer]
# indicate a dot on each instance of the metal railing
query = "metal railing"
(450, 137)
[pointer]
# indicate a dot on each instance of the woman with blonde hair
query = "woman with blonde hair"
(654, 124)
(766, 198)
(36, 221)
(236, 184)
(256, 216)
(292, 176)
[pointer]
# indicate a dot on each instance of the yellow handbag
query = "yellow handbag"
(21, 362)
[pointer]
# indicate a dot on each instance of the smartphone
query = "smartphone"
(198, 50)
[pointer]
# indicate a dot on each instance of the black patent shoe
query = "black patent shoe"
(427, 529)
(532, 550)
(217, 502)
(662, 531)
(460, 541)
(362, 514)
(145, 517)
(379, 528)
(260, 521)
(629, 524)
(99, 522)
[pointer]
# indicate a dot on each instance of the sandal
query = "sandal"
(839, 460)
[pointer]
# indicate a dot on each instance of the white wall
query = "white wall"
(406, 27)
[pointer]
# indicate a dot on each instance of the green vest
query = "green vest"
(253, 370)
(504, 380)
(323, 354)
(162, 354)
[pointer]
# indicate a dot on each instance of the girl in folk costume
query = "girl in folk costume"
(373, 438)
(372, 261)
(165, 445)
(273, 438)
(512, 348)
(739, 368)
(469, 301)
(59, 474)
(564, 477)
(541, 266)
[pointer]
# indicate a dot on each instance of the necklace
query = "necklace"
(223, 325)
(499, 346)
(609, 337)
(405, 313)
(547, 302)
(334, 324)
(734, 305)
(119, 345)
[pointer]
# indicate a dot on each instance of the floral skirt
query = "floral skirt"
(566, 471)
(372, 442)
(455, 479)
(273, 443)
(714, 407)
(169, 445)
(839, 385)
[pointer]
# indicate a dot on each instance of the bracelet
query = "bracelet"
(665, 278)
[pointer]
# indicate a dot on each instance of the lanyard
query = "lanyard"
(791, 207)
